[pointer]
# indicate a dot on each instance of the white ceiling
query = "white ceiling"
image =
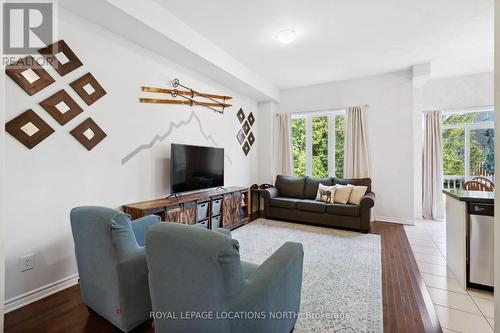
(344, 39)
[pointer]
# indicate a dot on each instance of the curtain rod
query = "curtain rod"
(338, 108)
(465, 109)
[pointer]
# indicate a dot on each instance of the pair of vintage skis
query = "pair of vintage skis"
(216, 103)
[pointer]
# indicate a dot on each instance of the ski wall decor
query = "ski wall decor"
(188, 96)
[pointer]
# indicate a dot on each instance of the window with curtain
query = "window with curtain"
(468, 146)
(318, 144)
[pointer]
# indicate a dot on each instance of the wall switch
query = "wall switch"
(27, 262)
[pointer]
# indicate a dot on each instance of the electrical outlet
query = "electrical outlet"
(27, 262)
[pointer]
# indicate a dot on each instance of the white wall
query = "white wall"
(267, 112)
(389, 126)
(459, 92)
(44, 183)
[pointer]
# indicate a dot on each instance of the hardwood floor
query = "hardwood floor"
(407, 304)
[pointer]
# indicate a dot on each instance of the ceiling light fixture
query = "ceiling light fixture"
(285, 36)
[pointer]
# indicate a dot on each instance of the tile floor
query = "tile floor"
(458, 310)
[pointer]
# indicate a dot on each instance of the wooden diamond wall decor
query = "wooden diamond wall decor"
(251, 139)
(246, 148)
(251, 119)
(88, 88)
(61, 57)
(29, 129)
(246, 127)
(240, 136)
(88, 133)
(61, 107)
(241, 115)
(29, 75)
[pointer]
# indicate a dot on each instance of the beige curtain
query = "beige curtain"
(356, 158)
(284, 158)
(432, 168)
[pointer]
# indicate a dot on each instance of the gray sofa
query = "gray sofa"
(293, 199)
(196, 271)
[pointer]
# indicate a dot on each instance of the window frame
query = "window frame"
(467, 129)
(308, 117)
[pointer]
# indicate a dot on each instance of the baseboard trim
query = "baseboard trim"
(17, 302)
(398, 220)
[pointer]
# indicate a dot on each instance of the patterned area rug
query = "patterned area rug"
(341, 287)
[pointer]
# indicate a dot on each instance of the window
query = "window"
(318, 144)
(468, 147)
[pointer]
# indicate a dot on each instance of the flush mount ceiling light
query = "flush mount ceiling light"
(285, 36)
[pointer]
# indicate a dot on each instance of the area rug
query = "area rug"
(341, 287)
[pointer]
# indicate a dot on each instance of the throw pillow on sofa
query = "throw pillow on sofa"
(356, 194)
(325, 193)
(342, 193)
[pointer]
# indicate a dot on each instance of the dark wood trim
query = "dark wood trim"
(407, 304)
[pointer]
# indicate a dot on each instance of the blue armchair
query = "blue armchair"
(199, 284)
(112, 264)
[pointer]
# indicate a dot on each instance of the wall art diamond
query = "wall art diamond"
(29, 129)
(88, 88)
(241, 115)
(61, 107)
(60, 56)
(29, 75)
(88, 133)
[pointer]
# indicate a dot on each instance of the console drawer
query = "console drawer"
(216, 206)
(202, 211)
(204, 223)
(216, 222)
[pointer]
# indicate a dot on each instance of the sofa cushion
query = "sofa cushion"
(356, 194)
(311, 186)
(341, 209)
(281, 202)
(354, 181)
(291, 187)
(311, 206)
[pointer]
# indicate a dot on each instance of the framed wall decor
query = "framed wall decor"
(240, 136)
(88, 133)
(240, 115)
(246, 127)
(251, 119)
(29, 129)
(88, 88)
(60, 56)
(62, 107)
(246, 148)
(29, 75)
(251, 139)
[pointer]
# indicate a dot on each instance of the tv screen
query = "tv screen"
(195, 167)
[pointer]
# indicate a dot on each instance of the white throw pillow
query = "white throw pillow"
(356, 194)
(325, 193)
(342, 193)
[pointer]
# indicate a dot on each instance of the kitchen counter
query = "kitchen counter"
(471, 196)
(469, 235)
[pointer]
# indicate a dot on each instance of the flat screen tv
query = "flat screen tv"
(195, 167)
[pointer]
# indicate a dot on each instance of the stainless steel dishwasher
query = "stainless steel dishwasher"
(481, 246)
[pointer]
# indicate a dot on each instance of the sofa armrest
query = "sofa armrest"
(140, 225)
(268, 194)
(275, 286)
(367, 202)
(224, 232)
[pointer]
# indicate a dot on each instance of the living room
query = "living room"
(300, 151)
